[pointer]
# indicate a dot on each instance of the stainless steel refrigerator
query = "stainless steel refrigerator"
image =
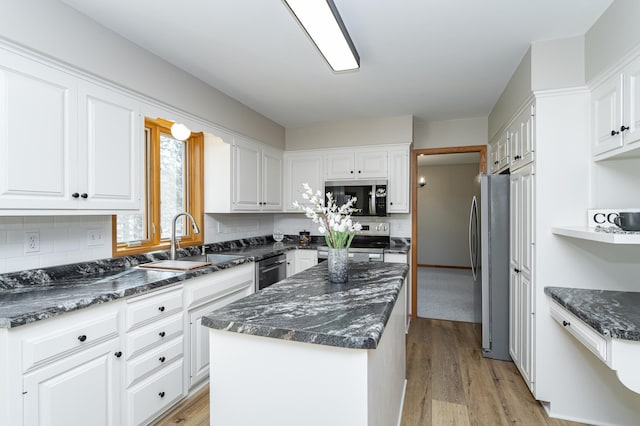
(489, 251)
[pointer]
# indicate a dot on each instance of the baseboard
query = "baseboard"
(404, 391)
(426, 265)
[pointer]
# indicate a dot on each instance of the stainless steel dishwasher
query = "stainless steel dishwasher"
(270, 270)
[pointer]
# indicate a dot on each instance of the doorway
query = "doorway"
(444, 181)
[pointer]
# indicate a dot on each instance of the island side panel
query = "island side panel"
(260, 380)
(387, 369)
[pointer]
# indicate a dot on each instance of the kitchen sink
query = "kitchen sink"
(212, 258)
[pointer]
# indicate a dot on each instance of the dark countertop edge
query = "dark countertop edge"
(609, 332)
(301, 336)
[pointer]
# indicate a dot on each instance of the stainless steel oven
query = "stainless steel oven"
(270, 271)
(367, 246)
(371, 195)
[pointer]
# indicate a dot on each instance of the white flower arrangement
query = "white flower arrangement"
(335, 222)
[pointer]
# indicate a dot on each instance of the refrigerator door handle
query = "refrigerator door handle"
(473, 223)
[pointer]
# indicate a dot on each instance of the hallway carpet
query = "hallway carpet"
(448, 294)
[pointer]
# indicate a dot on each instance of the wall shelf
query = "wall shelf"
(584, 233)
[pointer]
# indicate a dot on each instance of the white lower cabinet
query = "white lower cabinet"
(124, 362)
(403, 258)
(83, 389)
(299, 260)
(203, 295)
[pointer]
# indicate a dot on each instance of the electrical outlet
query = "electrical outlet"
(32, 242)
(94, 237)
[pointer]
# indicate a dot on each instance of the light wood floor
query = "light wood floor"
(448, 383)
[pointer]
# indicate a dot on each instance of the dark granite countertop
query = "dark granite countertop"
(307, 308)
(614, 314)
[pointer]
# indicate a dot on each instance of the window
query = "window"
(173, 184)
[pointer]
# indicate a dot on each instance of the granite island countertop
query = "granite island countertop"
(614, 314)
(307, 308)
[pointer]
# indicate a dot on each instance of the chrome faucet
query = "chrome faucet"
(196, 230)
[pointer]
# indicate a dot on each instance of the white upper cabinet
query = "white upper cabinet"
(65, 144)
(241, 176)
(356, 164)
(522, 138)
(398, 185)
(110, 149)
(615, 109)
(499, 153)
(38, 144)
(300, 168)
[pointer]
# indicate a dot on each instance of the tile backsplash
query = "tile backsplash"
(40, 241)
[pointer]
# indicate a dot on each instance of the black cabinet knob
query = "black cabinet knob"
(118, 354)
(161, 359)
(161, 308)
(516, 270)
(82, 338)
(566, 323)
(162, 334)
(391, 203)
(623, 128)
(351, 171)
(613, 133)
(85, 195)
(359, 171)
(496, 162)
(75, 195)
(161, 394)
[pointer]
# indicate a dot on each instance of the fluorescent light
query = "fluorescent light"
(322, 22)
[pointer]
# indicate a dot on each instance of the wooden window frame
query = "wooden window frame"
(195, 193)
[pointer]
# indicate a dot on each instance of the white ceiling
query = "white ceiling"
(434, 59)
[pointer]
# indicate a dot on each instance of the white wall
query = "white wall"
(375, 131)
(557, 64)
(226, 227)
(515, 93)
(63, 240)
(443, 213)
(58, 31)
(450, 133)
(614, 34)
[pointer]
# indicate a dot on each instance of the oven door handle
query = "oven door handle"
(277, 265)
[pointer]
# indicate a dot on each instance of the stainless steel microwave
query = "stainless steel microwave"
(371, 195)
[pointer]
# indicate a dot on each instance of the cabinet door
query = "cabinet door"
(514, 316)
(83, 389)
(305, 259)
(371, 164)
(301, 169)
(631, 110)
(503, 150)
(398, 188)
(527, 135)
(340, 165)
(526, 223)
(526, 330)
(513, 140)
(514, 220)
(606, 109)
(110, 150)
(291, 263)
(494, 161)
(38, 109)
(247, 160)
(271, 180)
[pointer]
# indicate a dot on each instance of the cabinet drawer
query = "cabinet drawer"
(76, 336)
(155, 394)
(218, 284)
(586, 335)
(155, 334)
(153, 361)
(144, 309)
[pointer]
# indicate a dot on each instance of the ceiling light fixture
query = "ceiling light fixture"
(180, 131)
(323, 24)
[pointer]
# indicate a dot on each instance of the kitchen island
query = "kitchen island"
(305, 351)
